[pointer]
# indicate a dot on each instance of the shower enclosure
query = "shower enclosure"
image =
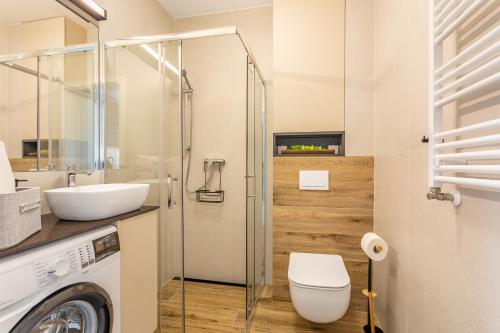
(185, 113)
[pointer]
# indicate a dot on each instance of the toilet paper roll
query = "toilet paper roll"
(374, 246)
(7, 183)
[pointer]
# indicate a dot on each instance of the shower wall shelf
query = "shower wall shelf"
(468, 153)
(205, 194)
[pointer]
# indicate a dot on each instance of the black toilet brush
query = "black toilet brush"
(370, 327)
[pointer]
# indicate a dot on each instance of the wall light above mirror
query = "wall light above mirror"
(49, 74)
(88, 7)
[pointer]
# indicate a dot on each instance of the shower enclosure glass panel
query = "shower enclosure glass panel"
(251, 187)
(171, 264)
(143, 144)
(255, 186)
(132, 117)
(186, 116)
(215, 232)
(260, 186)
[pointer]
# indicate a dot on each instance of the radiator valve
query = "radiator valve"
(436, 194)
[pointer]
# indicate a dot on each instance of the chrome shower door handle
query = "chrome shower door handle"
(248, 177)
(170, 191)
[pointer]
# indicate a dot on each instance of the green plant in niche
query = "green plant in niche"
(303, 147)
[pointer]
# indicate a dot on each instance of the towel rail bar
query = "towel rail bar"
(471, 75)
(485, 40)
(468, 12)
(493, 154)
(491, 169)
(471, 63)
(484, 85)
(493, 184)
(456, 8)
(486, 125)
(467, 143)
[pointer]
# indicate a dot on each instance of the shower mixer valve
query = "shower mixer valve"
(208, 162)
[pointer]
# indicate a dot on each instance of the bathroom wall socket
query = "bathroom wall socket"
(314, 180)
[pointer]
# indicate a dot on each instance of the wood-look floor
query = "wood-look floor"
(281, 317)
(209, 308)
(218, 308)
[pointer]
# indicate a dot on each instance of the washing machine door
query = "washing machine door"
(80, 308)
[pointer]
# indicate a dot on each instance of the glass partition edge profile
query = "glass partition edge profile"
(49, 52)
(222, 31)
(228, 30)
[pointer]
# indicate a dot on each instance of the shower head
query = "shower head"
(186, 80)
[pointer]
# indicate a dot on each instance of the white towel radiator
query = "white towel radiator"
(473, 72)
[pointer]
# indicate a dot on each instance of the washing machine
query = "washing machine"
(72, 285)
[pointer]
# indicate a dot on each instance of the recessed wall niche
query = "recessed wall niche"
(310, 144)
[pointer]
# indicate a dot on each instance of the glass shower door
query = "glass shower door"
(251, 188)
(256, 199)
(143, 144)
(260, 169)
(171, 256)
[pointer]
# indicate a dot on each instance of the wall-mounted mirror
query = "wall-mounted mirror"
(49, 95)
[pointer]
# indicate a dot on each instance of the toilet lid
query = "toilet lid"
(318, 270)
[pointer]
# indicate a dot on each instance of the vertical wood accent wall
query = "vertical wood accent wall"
(330, 222)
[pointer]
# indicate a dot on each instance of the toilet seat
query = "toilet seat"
(320, 286)
(319, 271)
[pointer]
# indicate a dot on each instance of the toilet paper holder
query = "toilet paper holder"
(378, 248)
(371, 294)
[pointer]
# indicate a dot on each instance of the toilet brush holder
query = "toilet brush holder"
(371, 294)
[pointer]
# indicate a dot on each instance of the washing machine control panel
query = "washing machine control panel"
(76, 259)
(50, 270)
(86, 255)
(106, 246)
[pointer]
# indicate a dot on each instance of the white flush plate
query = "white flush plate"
(314, 180)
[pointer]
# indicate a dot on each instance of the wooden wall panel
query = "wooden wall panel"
(330, 222)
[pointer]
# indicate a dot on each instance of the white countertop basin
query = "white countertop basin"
(96, 202)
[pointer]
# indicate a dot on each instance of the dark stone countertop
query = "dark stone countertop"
(54, 229)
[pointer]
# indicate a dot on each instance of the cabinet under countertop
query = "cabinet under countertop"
(54, 229)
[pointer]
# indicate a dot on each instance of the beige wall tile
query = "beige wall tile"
(392, 281)
(452, 324)
(392, 203)
(256, 25)
(148, 18)
(450, 260)
(308, 68)
(422, 305)
(359, 78)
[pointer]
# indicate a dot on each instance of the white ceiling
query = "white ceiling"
(183, 8)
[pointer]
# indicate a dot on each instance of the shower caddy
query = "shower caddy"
(205, 194)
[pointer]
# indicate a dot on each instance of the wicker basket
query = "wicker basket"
(20, 215)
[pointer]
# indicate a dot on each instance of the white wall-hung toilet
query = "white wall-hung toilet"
(319, 285)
